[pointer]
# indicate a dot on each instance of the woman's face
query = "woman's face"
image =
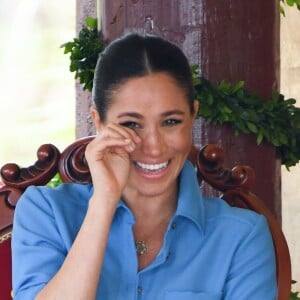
(156, 108)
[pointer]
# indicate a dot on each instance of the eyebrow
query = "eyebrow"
(173, 112)
(139, 116)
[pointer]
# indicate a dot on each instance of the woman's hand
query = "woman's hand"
(108, 159)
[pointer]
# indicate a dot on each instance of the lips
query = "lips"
(151, 167)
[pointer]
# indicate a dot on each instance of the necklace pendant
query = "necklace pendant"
(141, 248)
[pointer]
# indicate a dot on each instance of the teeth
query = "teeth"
(152, 167)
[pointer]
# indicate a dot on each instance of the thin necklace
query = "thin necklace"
(141, 247)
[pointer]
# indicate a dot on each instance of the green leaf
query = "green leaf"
(196, 80)
(210, 99)
(224, 86)
(91, 22)
(240, 94)
(245, 115)
(281, 9)
(282, 138)
(238, 86)
(55, 181)
(226, 110)
(68, 47)
(259, 137)
(290, 101)
(252, 127)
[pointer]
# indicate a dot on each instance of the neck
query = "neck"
(153, 209)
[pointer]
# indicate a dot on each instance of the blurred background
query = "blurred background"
(37, 99)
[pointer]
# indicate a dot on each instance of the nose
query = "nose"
(153, 143)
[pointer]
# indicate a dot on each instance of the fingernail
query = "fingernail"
(137, 139)
(132, 146)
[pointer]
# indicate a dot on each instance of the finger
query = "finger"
(99, 147)
(111, 138)
(111, 131)
(125, 131)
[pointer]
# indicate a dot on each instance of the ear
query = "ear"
(196, 108)
(96, 118)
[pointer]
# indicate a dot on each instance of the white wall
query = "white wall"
(290, 87)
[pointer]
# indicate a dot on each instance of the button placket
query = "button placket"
(168, 255)
(139, 290)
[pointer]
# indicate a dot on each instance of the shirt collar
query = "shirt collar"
(190, 202)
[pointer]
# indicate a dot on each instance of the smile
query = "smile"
(151, 167)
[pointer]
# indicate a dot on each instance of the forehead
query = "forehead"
(153, 92)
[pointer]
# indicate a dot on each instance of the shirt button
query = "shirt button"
(174, 225)
(139, 289)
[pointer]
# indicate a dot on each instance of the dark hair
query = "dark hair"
(134, 56)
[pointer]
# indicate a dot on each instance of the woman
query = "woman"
(142, 229)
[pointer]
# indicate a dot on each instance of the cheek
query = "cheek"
(180, 140)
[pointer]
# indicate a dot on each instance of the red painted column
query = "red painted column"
(233, 40)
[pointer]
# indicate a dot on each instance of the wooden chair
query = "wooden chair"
(235, 185)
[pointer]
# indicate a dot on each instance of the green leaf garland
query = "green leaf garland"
(276, 120)
(84, 52)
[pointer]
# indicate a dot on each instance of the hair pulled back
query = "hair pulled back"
(134, 56)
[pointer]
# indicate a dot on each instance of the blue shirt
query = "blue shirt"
(211, 250)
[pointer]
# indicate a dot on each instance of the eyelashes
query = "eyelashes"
(172, 122)
(165, 123)
(130, 124)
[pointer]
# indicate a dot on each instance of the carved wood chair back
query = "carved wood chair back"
(235, 185)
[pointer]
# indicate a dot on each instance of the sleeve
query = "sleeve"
(252, 274)
(37, 248)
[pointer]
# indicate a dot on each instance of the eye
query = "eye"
(130, 124)
(171, 122)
